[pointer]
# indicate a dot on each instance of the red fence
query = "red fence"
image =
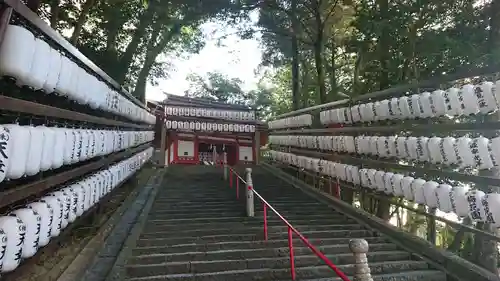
(291, 229)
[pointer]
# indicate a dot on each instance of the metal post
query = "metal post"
(250, 206)
(290, 248)
(225, 164)
(265, 220)
(359, 248)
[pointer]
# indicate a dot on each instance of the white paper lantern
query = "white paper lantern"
(35, 149)
(411, 143)
(464, 154)
(380, 181)
(370, 113)
(402, 147)
(397, 188)
(443, 194)
(16, 53)
(468, 100)
(430, 195)
(485, 97)
(404, 107)
(31, 220)
(491, 206)
(422, 149)
(363, 175)
(453, 104)
(394, 111)
(371, 178)
(57, 208)
(476, 210)
(414, 106)
(480, 151)
(46, 217)
(434, 146)
(388, 183)
(426, 108)
(406, 183)
(15, 231)
(448, 147)
(356, 116)
(437, 102)
(459, 201)
(363, 113)
(417, 187)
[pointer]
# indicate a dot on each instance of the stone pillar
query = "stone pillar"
(257, 147)
(359, 248)
(225, 165)
(249, 193)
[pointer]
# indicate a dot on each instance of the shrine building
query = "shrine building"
(198, 131)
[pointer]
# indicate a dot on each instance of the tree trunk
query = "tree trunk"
(333, 67)
(305, 83)
(318, 55)
(494, 35)
(81, 21)
(153, 51)
(320, 73)
(126, 59)
(54, 13)
(383, 45)
(295, 58)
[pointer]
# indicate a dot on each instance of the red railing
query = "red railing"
(291, 229)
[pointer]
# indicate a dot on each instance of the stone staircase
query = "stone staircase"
(196, 230)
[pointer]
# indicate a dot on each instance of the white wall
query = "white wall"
(246, 151)
(185, 149)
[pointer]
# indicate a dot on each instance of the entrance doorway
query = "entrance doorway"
(205, 152)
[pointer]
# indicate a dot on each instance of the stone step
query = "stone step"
(239, 210)
(161, 231)
(167, 254)
(144, 246)
(238, 206)
(306, 267)
(176, 238)
(222, 216)
(224, 201)
(255, 275)
(242, 222)
(420, 275)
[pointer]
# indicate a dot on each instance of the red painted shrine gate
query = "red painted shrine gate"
(198, 131)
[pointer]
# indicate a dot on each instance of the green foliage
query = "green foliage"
(135, 41)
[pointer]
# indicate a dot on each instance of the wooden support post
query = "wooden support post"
(225, 165)
(163, 145)
(257, 147)
(359, 248)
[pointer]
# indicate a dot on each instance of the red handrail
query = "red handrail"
(291, 230)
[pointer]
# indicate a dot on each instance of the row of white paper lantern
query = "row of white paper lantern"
(28, 150)
(469, 100)
(473, 203)
(211, 113)
(33, 63)
(303, 120)
(27, 229)
(480, 152)
(204, 126)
